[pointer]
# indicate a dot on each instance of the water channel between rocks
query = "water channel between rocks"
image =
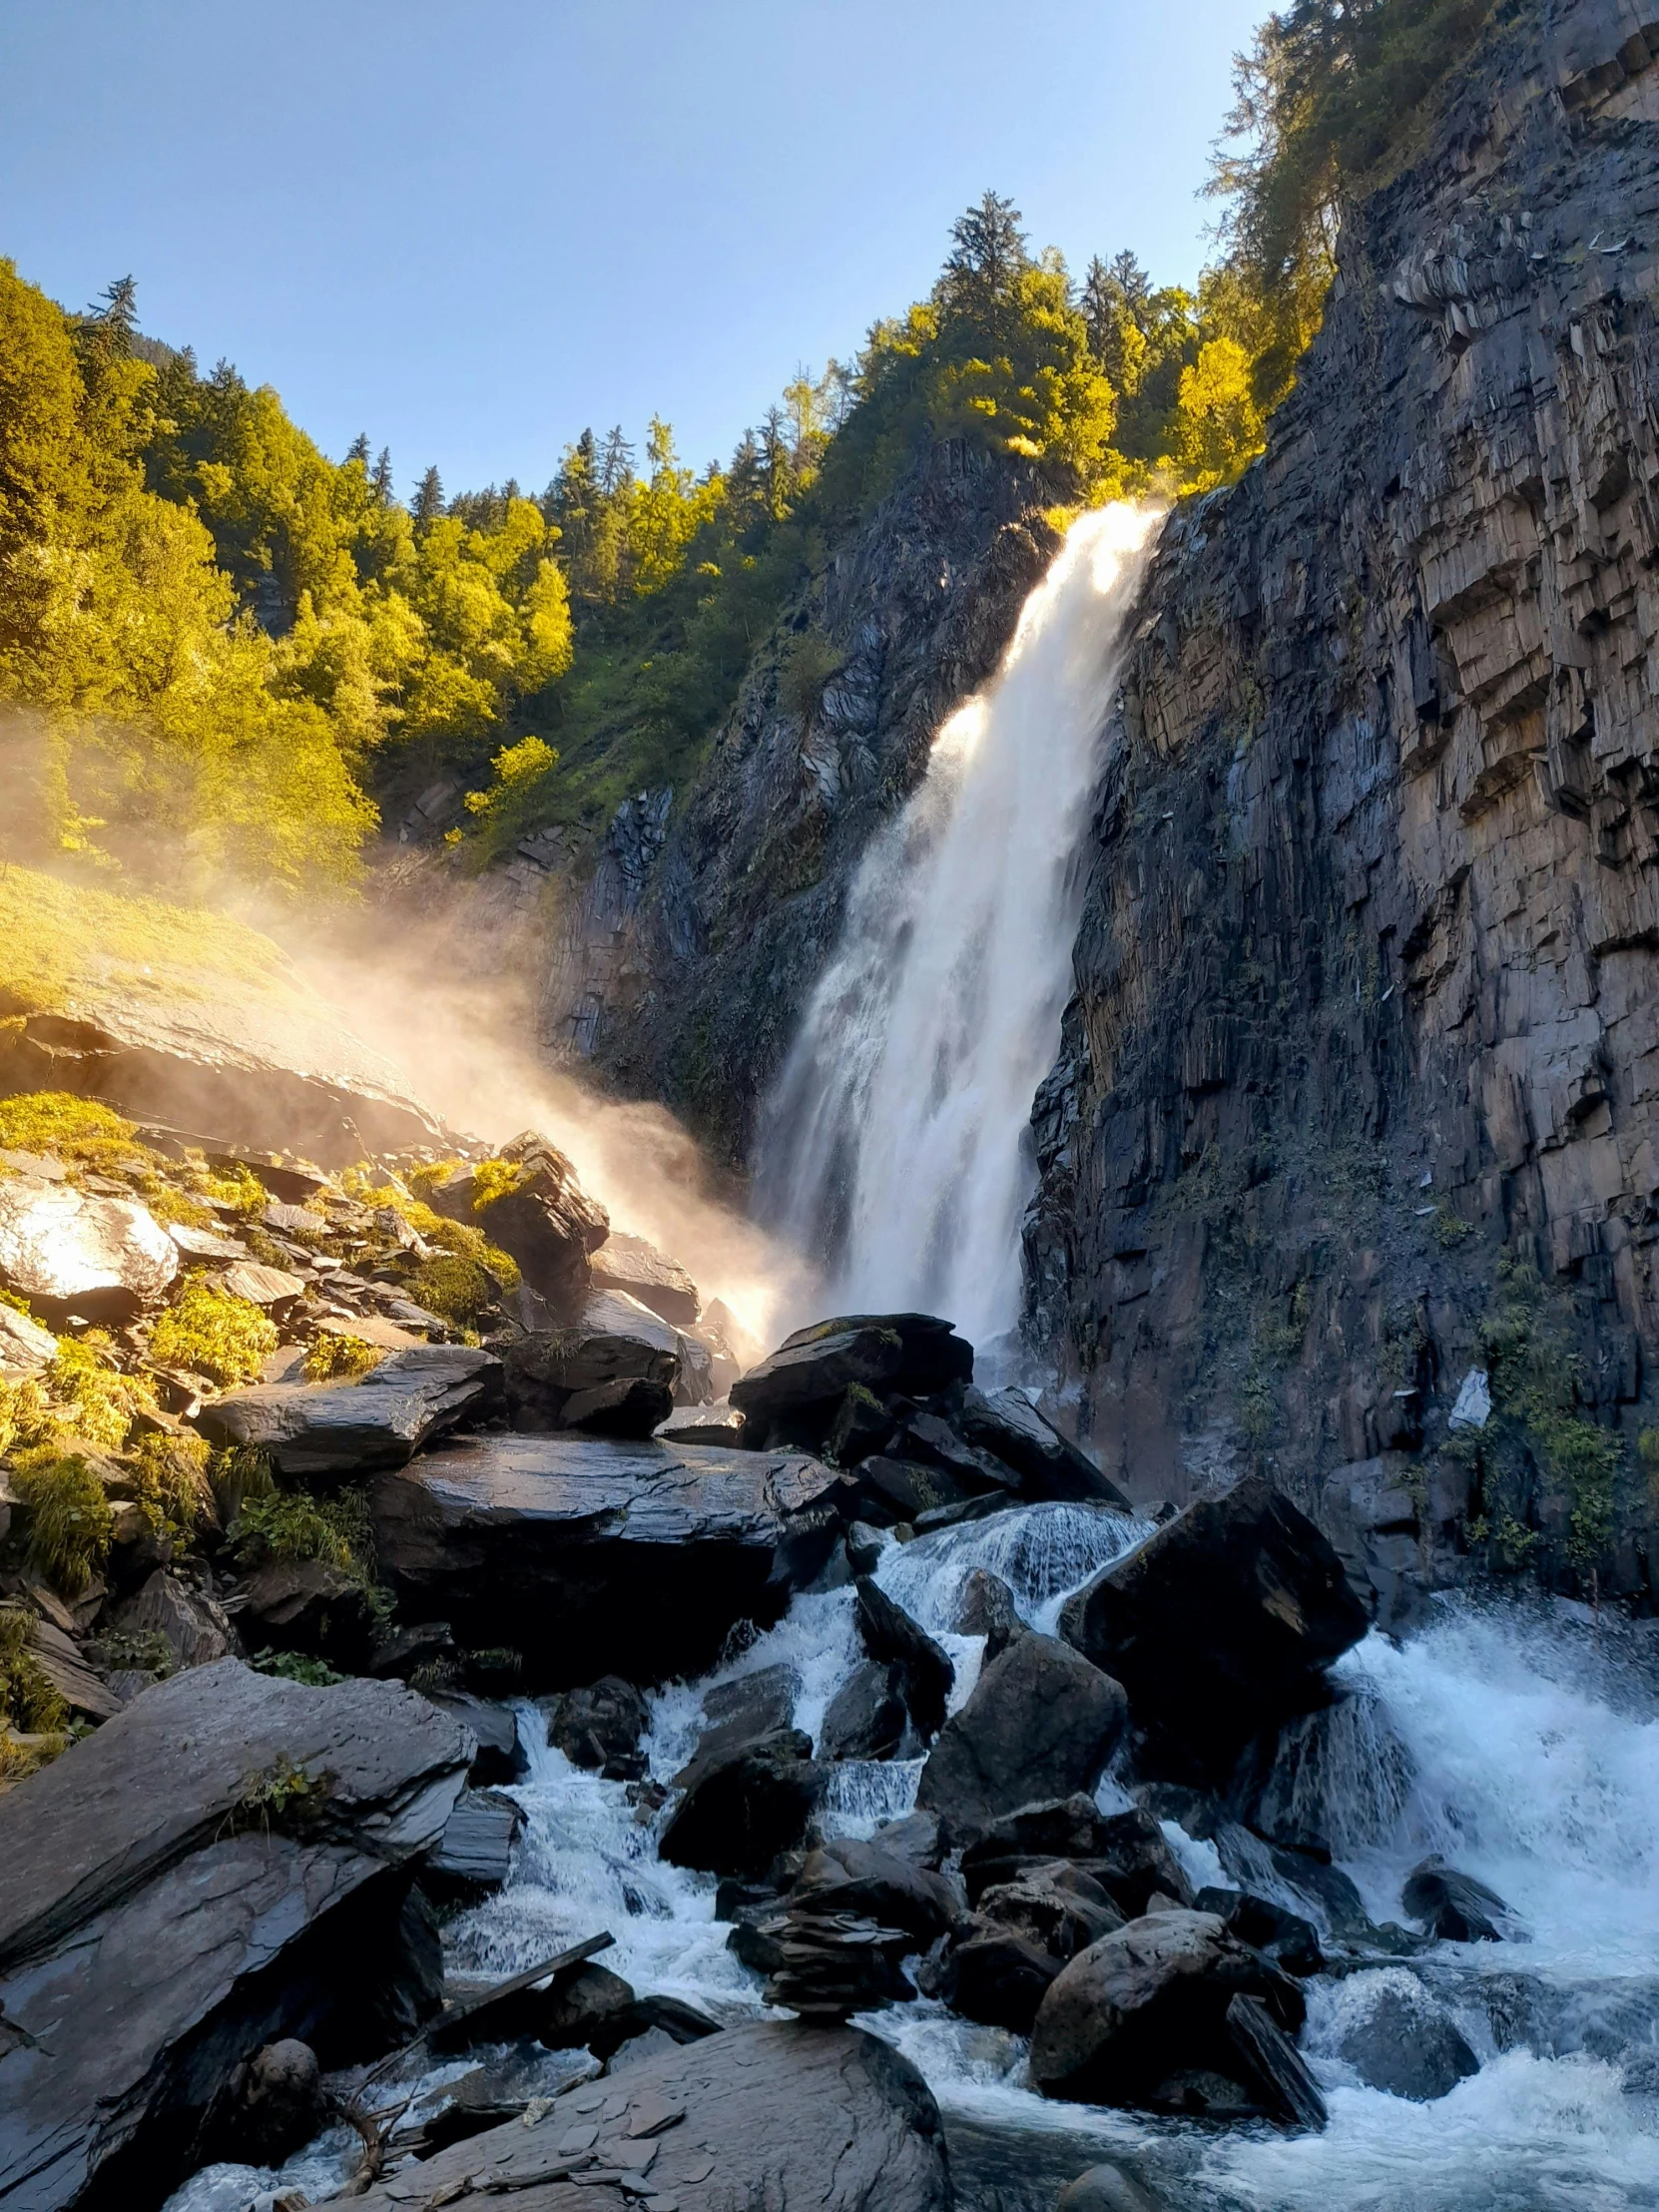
(1531, 1766)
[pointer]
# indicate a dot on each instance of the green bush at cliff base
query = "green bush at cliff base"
(69, 1520)
(28, 1702)
(287, 1525)
(208, 1331)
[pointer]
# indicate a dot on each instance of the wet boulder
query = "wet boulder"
(986, 1609)
(344, 1429)
(475, 1851)
(601, 1726)
(860, 1425)
(1058, 1907)
(631, 1409)
(497, 1754)
(277, 2103)
(996, 1975)
(1273, 1930)
(1220, 1625)
(67, 1252)
(718, 1422)
(894, 1489)
(794, 1392)
(225, 1864)
(1042, 1722)
(868, 1717)
(1124, 1852)
(1401, 2042)
(546, 1221)
(614, 1341)
(585, 1554)
(636, 1266)
(768, 2113)
(1007, 1426)
(1106, 2189)
(1455, 1906)
(306, 1605)
(888, 1634)
(849, 1874)
(1149, 2003)
(743, 1801)
(752, 1705)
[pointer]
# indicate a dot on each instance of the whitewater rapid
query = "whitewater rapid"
(895, 1147)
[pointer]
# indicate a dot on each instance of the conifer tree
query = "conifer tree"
(427, 503)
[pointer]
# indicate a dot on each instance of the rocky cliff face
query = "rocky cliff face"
(1359, 1088)
(681, 966)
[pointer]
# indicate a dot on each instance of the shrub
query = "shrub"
(70, 1521)
(287, 1525)
(295, 1666)
(235, 1474)
(452, 1287)
(173, 1485)
(494, 1180)
(210, 1332)
(333, 1358)
(28, 1702)
(89, 1397)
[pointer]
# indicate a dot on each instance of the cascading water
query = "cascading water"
(895, 1146)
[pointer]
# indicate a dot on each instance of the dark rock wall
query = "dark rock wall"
(682, 971)
(1366, 1006)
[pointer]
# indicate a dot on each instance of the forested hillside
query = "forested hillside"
(228, 649)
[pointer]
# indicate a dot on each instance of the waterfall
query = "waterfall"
(896, 1145)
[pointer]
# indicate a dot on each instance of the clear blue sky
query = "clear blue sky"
(470, 227)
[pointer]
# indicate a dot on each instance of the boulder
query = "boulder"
(475, 1851)
(614, 1339)
(630, 1264)
(769, 2113)
(796, 1389)
(1271, 2067)
(548, 1224)
(224, 1864)
(906, 1489)
(344, 1428)
(632, 1408)
(1007, 1426)
(717, 1423)
(744, 1799)
(867, 1716)
(1058, 1908)
(997, 1976)
(309, 1606)
(497, 1754)
(66, 1252)
(859, 1425)
(277, 2103)
(600, 1726)
(1404, 2043)
(1149, 2002)
(25, 1348)
(1272, 1929)
(1106, 2189)
(587, 1554)
(930, 1438)
(986, 1609)
(697, 1384)
(196, 1630)
(1124, 1852)
(849, 1874)
(1455, 1906)
(752, 1705)
(1042, 1722)
(888, 1634)
(1220, 1624)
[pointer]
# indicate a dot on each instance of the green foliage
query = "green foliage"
(1535, 1372)
(81, 1395)
(282, 1796)
(69, 1516)
(77, 1129)
(515, 800)
(28, 1702)
(494, 1180)
(342, 1358)
(804, 668)
(1324, 101)
(206, 1331)
(289, 1526)
(171, 1473)
(236, 1475)
(295, 1666)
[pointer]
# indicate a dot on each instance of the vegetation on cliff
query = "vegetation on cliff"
(225, 646)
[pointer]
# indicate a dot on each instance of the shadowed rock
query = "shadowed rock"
(1221, 1624)
(797, 1391)
(766, 2114)
(333, 1428)
(1455, 1906)
(547, 1223)
(1048, 1464)
(744, 1803)
(615, 1340)
(587, 1554)
(888, 1634)
(1042, 1722)
(217, 1869)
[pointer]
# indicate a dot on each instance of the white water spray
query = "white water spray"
(896, 1145)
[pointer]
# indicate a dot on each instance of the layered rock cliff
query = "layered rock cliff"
(681, 963)
(1359, 1088)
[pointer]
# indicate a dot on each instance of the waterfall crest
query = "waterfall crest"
(894, 1148)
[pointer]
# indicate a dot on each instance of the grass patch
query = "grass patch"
(236, 1475)
(287, 1525)
(77, 1129)
(342, 1358)
(206, 1331)
(170, 1475)
(70, 1521)
(28, 1702)
(64, 946)
(82, 1394)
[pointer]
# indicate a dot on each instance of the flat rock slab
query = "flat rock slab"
(25, 1348)
(348, 1427)
(798, 2119)
(155, 1931)
(106, 1259)
(599, 1556)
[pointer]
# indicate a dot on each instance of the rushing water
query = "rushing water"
(895, 1146)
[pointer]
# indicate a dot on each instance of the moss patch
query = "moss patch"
(206, 1331)
(69, 1518)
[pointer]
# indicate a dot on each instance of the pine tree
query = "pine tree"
(989, 248)
(616, 463)
(427, 503)
(380, 479)
(358, 451)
